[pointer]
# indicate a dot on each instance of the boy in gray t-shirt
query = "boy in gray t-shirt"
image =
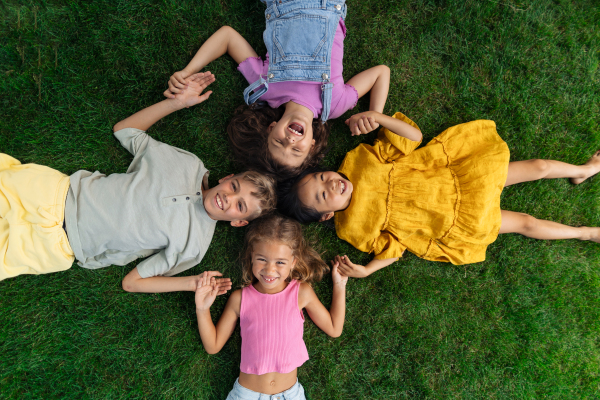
(161, 207)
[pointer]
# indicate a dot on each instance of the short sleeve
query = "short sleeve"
(157, 265)
(342, 100)
(386, 246)
(134, 140)
(391, 146)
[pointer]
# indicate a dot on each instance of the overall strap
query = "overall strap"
(326, 90)
(251, 98)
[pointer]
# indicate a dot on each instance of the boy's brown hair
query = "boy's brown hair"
(277, 228)
(264, 191)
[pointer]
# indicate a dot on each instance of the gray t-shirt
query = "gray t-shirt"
(156, 207)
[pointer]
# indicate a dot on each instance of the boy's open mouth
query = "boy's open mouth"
(296, 129)
(218, 201)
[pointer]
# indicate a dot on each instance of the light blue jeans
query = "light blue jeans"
(239, 392)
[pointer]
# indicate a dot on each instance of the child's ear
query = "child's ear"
(225, 178)
(270, 127)
(326, 217)
(238, 223)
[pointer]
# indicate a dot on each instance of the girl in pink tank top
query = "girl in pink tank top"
(277, 266)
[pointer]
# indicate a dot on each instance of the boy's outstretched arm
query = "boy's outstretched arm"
(147, 117)
(133, 282)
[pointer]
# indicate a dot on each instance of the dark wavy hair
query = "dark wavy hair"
(288, 202)
(248, 135)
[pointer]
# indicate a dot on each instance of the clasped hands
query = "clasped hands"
(188, 91)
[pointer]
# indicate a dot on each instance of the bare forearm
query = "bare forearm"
(376, 265)
(208, 331)
(399, 127)
(160, 284)
(338, 309)
(225, 40)
(147, 117)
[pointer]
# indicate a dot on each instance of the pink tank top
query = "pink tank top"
(272, 328)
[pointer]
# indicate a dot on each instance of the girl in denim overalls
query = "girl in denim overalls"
(295, 89)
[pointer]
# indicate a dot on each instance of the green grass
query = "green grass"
(522, 324)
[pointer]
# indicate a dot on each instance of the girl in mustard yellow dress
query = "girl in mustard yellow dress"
(440, 202)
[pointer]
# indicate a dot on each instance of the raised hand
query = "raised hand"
(192, 94)
(336, 276)
(177, 82)
(362, 123)
(348, 269)
(208, 288)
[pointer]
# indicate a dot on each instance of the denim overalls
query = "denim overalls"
(299, 37)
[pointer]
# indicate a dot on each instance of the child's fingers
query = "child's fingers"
(173, 88)
(173, 81)
(167, 93)
(214, 273)
(205, 96)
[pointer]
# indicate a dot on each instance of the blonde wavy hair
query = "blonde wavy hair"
(309, 266)
(264, 191)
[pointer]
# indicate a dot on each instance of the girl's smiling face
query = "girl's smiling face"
(272, 263)
(326, 192)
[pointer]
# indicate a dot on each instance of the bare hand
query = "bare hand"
(338, 278)
(348, 269)
(192, 94)
(176, 83)
(362, 123)
(208, 288)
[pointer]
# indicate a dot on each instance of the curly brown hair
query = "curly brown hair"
(275, 227)
(248, 135)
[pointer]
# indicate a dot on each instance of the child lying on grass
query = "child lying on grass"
(440, 202)
(161, 206)
(278, 266)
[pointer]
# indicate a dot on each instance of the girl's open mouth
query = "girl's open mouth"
(343, 187)
(269, 279)
(296, 129)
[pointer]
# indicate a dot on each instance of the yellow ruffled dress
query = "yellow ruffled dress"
(441, 202)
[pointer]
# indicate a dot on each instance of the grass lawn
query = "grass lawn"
(523, 324)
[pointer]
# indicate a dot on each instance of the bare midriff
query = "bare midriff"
(269, 383)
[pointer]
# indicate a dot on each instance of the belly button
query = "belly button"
(272, 383)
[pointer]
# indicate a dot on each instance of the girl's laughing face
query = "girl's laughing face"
(290, 139)
(326, 192)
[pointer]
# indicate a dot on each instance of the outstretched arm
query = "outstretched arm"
(376, 80)
(133, 282)
(225, 40)
(332, 321)
(348, 269)
(147, 117)
(367, 121)
(214, 338)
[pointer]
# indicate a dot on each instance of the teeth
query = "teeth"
(268, 279)
(343, 187)
(219, 202)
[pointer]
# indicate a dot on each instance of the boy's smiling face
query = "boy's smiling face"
(231, 200)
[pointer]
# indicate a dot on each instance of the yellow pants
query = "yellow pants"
(32, 209)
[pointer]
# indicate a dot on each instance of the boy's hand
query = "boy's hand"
(338, 278)
(192, 94)
(177, 83)
(362, 123)
(348, 269)
(208, 288)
